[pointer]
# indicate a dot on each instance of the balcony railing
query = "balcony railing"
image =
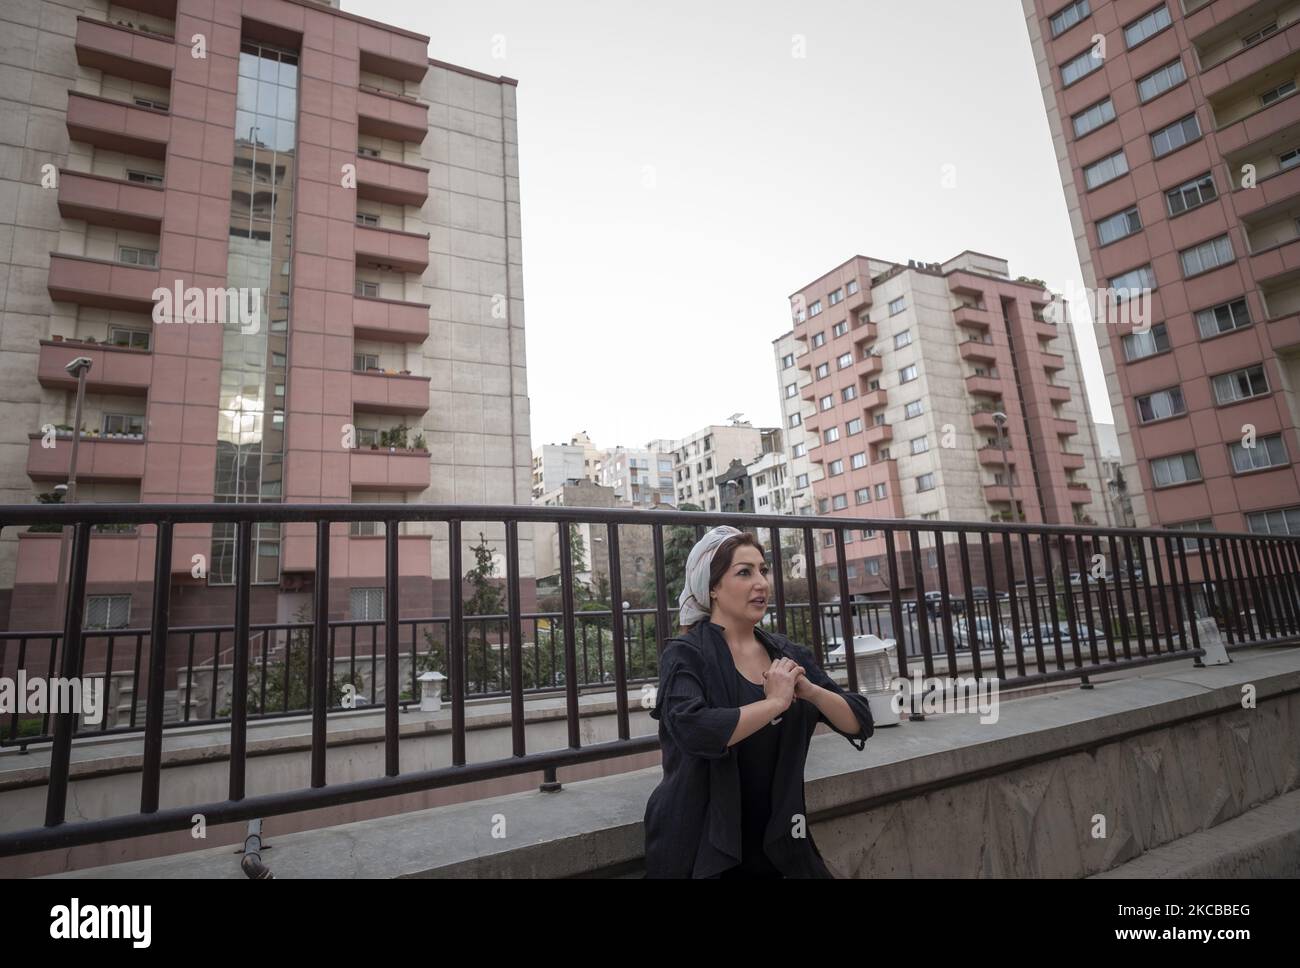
(1018, 602)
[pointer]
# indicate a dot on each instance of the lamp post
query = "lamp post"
(78, 368)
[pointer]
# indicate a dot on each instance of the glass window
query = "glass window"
(882, 491)
(1161, 80)
(1140, 345)
(799, 450)
(1240, 385)
(1117, 226)
(1175, 469)
(1281, 521)
(787, 361)
(1174, 136)
(823, 370)
(1267, 452)
(845, 359)
(907, 374)
(133, 338)
(852, 287)
(791, 389)
(366, 604)
(920, 445)
(826, 402)
(819, 339)
(836, 296)
(1131, 283)
(854, 426)
(1105, 169)
(836, 468)
(1289, 159)
(840, 328)
(1090, 119)
(848, 393)
(108, 611)
(832, 435)
(1079, 67)
(1223, 318)
(1277, 93)
(369, 290)
(1161, 404)
(1258, 35)
(801, 480)
(815, 309)
(1191, 194)
(143, 177)
(1210, 254)
(839, 502)
(925, 483)
(858, 461)
(896, 306)
(862, 495)
(902, 339)
(1189, 544)
(1068, 16)
(1147, 26)
(132, 256)
(913, 409)
(795, 419)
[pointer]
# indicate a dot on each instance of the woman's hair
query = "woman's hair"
(726, 551)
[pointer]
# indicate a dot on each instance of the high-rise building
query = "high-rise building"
(288, 242)
(914, 369)
(640, 476)
(702, 457)
(1177, 133)
(554, 465)
(800, 471)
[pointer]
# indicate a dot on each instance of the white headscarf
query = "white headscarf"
(694, 599)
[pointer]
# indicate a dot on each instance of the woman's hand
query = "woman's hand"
(780, 681)
(803, 687)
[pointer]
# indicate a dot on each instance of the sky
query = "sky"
(686, 166)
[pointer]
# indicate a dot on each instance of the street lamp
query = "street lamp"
(79, 367)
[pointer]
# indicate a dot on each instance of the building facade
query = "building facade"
(556, 464)
(641, 477)
(289, 244)
(700, 458)
(912, 369)
(1179, 152)
(791, 379)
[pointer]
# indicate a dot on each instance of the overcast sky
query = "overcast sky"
(682, 172)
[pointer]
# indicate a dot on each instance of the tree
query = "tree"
(290, 675)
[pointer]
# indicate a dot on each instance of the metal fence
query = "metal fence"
(1022, 603)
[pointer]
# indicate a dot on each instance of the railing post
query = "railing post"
(322, 680)
(56, 799)
(239, 678)
(151, 767)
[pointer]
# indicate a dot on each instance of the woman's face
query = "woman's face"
(742, 593)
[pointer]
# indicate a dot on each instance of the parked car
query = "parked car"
(984, 628)
(981, 594)
(1045, 632)
(934, 604)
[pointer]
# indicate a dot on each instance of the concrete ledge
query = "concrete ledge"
(1159, 755)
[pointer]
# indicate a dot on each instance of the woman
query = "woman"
(737, 707)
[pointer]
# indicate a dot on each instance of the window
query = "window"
(862, 495)
(1172, 137)
(787, 361)
(1268, 452)
(835, 297)
(879, 420)
(848, 393)
(368, 220)
(1223, 318)
(1117, 226)
(1161, 404)
(801, 481)
(848, 539)
(799, 450)
(1147, 26)
(123, 423)
(925, 483)
(882, 491)
(832, 434)
(823, 505)
(1259, 35)
(815, 309)
(365, 361)
(1206, 256)
(839, 502)
(1105, 170)
(823, 370)
(896, 306)
(366, 604)
(872, 566)
(1077, 68)
(1138, 346)
(1191, 194)
(1161, 80)
(907, 374)
(920, 445)
(132, 256)
(1129, 284)
(852, 287)
(1281, 521)
(1175, 469)
(843, 360)
(873, 385)
(1090, 119)
(828, 539)
(1068, 16)
(366, 152)
(133, 338)
(858, 461)
(1277, 93)
(791, 389)
(882, 453)
(1240, 385)
(144, 102)
(1189, 544)
(796, 419)
(108, 611)
(840, 328)
(826, 402)
(819, 339)
(902, 339)
(143, 177)
(913, 409)
(854, 426)
(1289, 159)
(370, 290)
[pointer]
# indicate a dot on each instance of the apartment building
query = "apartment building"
(555, 464)
(913, 368)
(791, 379)
(362, 196)
(701, 457)
(641, 477)
(1179, 152)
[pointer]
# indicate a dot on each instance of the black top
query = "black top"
(756, 758)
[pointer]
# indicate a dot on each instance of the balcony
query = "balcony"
(874, 399)
(997, 493)
(983, 420)
(1071, 461)
(977, 351)
(858, 301)
(1250, 61)
(1276, 259)
(389, 393)
(989, 386)
(1053, 361)
(992, 457)
(401, 56)
(118, 126)
(871, 366)
(1271, 190)
(99, 459)
(112, 202)
(1080, 493)
(1064, 427)
(391, 182)
(1258, 125)
(100, 283)
(878, 434)
(1057, 394)
(384, 470)
(390, 320)
(136, 55)
(1042, 329)
(114, 369)
(972, 316)
(391, 116)
(353, 556)
(392, 250)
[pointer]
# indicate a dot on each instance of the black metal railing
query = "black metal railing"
(1022, 603)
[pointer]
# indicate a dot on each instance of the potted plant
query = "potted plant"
(405, 372)
(57, 337)
(418, 443)
(91, 340)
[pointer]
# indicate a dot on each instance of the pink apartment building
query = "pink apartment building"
(1179, 152)
(902, 372)
(366, 194)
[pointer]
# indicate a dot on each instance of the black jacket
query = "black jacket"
(692, 819)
